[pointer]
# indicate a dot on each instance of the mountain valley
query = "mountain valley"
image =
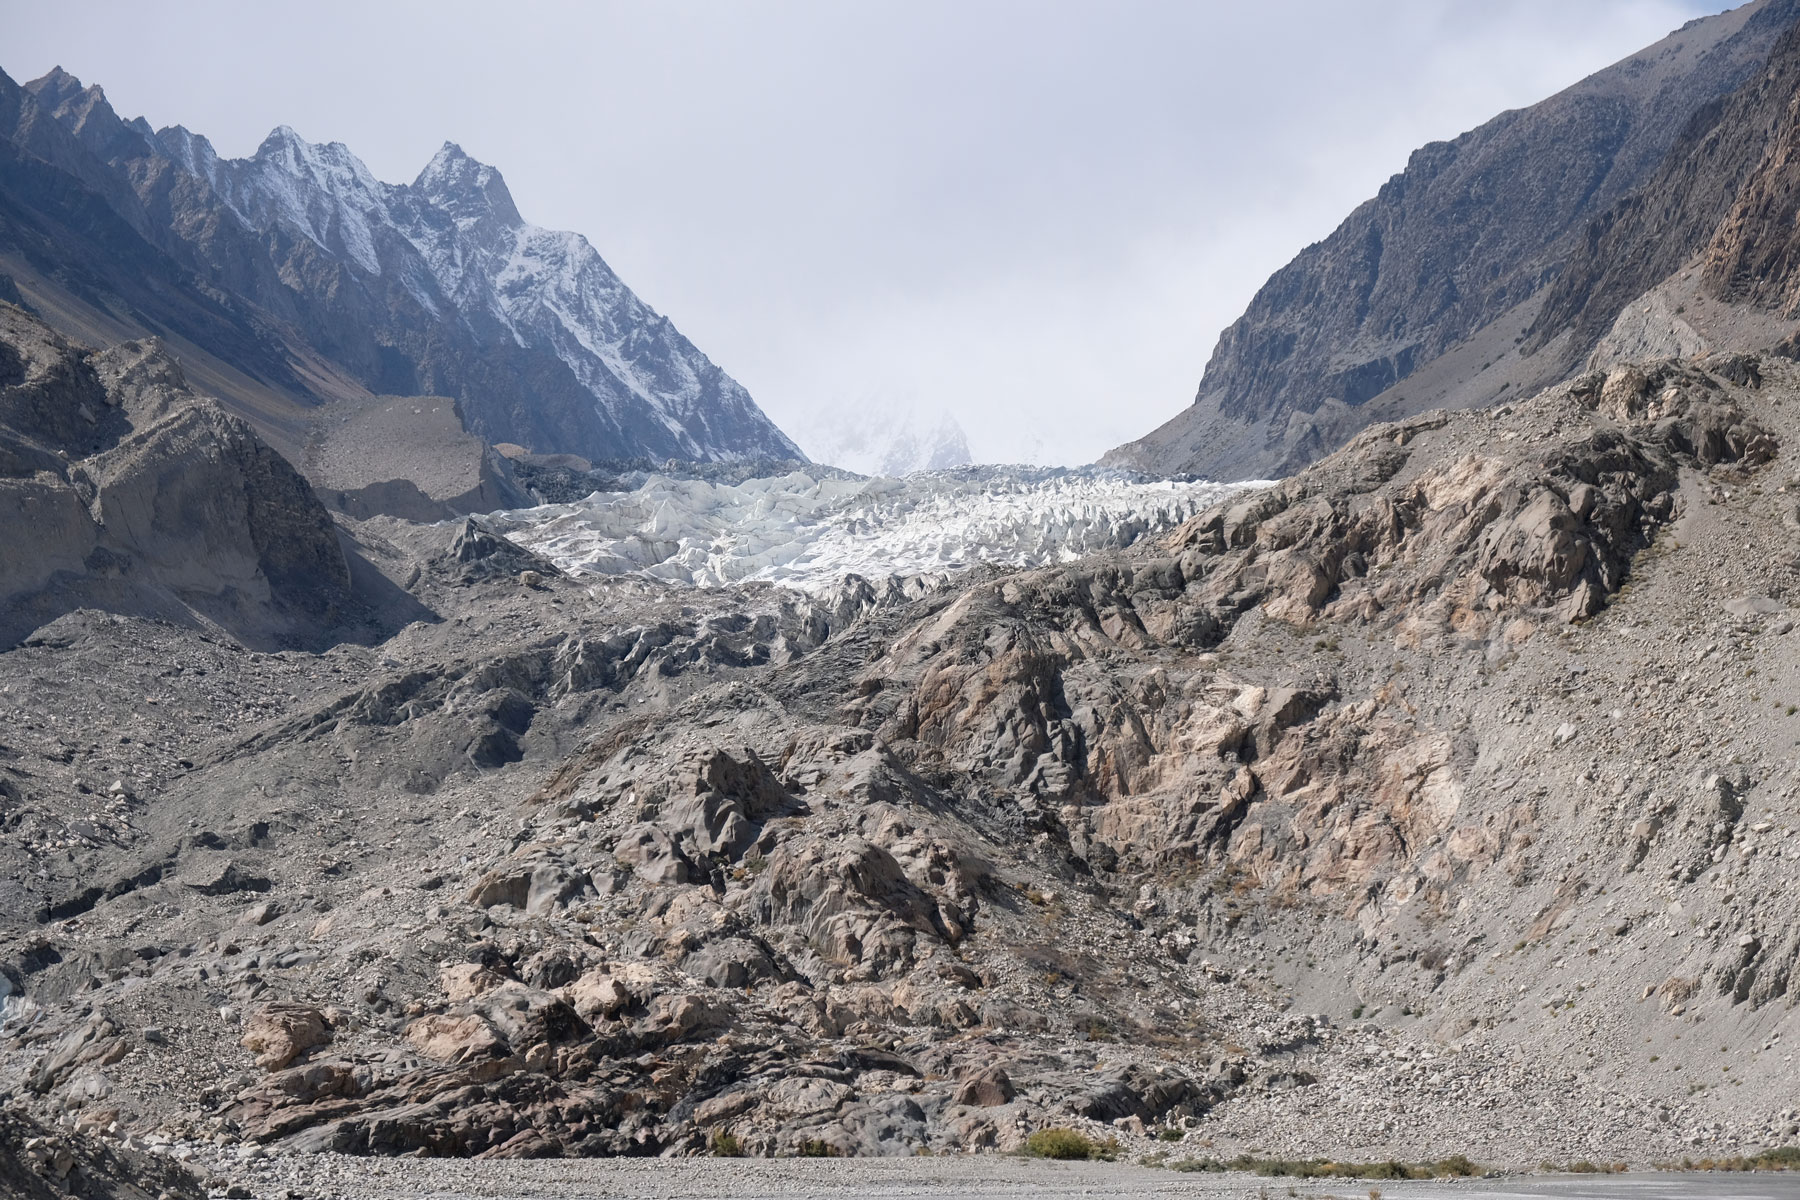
(442, 718)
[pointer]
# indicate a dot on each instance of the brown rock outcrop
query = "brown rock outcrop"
(281, 1032)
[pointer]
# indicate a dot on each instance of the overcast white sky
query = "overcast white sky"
(1036, 215)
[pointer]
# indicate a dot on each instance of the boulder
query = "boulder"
(598, 995)
(464, 981)
(281, 1032)
(454, 1039)
(683, 1017)
(988, 1087)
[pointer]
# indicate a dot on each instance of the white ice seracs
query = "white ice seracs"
(809, 533)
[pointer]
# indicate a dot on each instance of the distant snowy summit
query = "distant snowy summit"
(434, 287)
(886, 439)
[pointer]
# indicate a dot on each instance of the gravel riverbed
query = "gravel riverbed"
(323, 1177)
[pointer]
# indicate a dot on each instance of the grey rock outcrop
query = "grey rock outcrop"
(1387, 791)
(123, 490)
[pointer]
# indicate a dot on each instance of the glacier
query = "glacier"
(810, 530)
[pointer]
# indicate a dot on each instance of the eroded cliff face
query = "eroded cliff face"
(1430, 293)
(124, 490)
(1713, 202)
(1479, 717)
(1753, 256)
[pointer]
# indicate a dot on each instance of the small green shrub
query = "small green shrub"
(724, 1145)
(815, 1148)
(1172, 1133)
(1456, 1166)
(1059, 1143)
(1782, 1158)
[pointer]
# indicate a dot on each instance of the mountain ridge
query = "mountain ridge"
(1456, 251)
(437, 287)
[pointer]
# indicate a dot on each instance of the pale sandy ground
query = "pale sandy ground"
(327, 1177)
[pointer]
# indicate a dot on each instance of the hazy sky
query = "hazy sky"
(1038, 215)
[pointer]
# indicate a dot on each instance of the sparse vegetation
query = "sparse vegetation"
(724, 1145)
(1062, 1143)
(1782, 1158)
(1454, 1167)
(1584, 1167)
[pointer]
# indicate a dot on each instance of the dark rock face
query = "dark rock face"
(124, 490)
(297, 254)
(1725, 188)
(1465, 240)
(1754, 255)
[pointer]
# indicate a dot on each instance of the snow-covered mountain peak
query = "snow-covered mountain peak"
(322, 190)
(329, 166)
(193, 151)
(551, 349)
(466, 188)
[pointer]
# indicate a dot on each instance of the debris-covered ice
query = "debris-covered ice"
(810, 532)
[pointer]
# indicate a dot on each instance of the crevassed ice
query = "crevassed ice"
(809, 533)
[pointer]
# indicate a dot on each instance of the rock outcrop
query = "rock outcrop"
(1223, 836)
(123, 490)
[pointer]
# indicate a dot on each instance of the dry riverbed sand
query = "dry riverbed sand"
(327, 1176)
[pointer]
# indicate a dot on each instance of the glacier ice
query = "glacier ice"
(808, 532)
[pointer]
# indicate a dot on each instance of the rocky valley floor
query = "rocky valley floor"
(1439, 800)
(990, 1176)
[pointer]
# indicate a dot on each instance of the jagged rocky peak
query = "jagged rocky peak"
(85, 111)
(465, 188)
(56, 86)
(192, 151)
